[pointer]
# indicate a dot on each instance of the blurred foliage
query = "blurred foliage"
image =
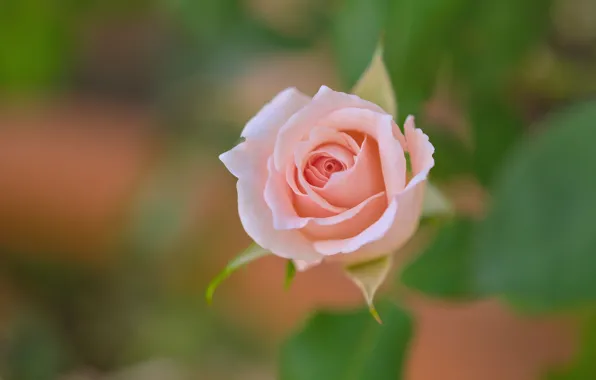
(537, 243)
(350, 345)
(443, 269)
(357, 29)
(583, 366)
(506, 63)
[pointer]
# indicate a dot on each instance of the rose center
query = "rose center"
(320, 167)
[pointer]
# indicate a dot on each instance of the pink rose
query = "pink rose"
(326, 178)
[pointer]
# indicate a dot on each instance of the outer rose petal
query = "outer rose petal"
(392, 230)
(248, 162)
(349, 223)
(267, 122)
(299, 125)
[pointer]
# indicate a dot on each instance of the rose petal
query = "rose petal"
(349, 223)
(279, 200)
(403, 226)
(374, 232)
(301, 155)
(302, 265)
(381, 127)
(421, 152)
(250, 166)
(266, 123)
(365, 178)
(406, 220)
(299, 125)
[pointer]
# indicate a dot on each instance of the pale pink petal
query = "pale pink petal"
(374, 232)
(278, 197)
(307, 208)
(364, 179)
(237, 159)
(314, 177)
(353, 145)
(409, 201)
(250, 165)
(300, 124)
(302, 265)
(379, 126)
(291, 180)
(341, 153)
(349, 223)
(266, 123)
(421, 152)
(402, 228)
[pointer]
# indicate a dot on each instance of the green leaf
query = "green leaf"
(452, 156)
(443, 269)
(415, 42)
(495, 37)
(368, 276)
(496, 127)
(290, 274)
(356, 34)
(537, 244)
(34, 350)
(584, 365)
(252, 253)
(375, 85)
(349, 346)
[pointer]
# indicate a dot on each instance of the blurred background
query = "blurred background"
(115, 211)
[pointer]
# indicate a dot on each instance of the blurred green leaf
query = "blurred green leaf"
(33, 44)
(443, 269)
(417, 33)
(496, 126)
(452, 156)
(290, 274)
(537, 244)
(340, 346)
(252, 253)
(584, 365)
(368, 276)
(34, 350)
(495, 37)
(357, 33)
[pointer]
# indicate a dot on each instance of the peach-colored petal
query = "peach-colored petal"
(302, 265)
(314, 177)
(305, 207)
(379, 126)
(409, 201)
(421, 151)
(301, 155)
(278, 197)
(374, 232)
(339, 152)
(299, 125)
(365, 178)
(349, 223)
(237, 159)
(250, 166)
(266, 123)
(402, 228)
